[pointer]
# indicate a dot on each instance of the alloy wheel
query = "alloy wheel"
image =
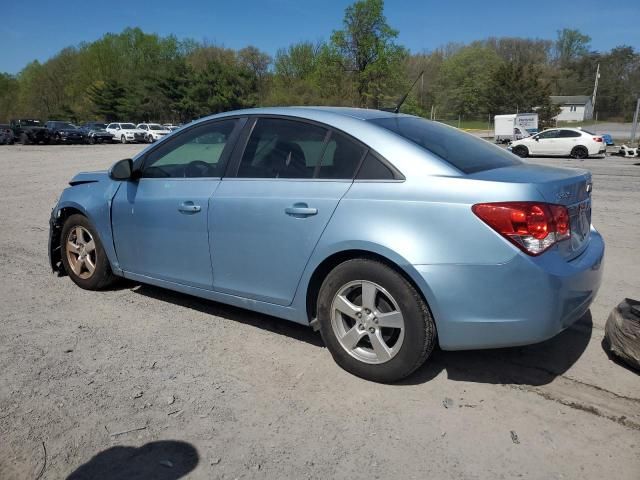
(367, 322)
(81, 252)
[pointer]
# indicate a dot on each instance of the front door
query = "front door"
(547, 143)
(265, 222)
(160, 222)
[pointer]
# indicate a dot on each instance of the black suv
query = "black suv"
(28, 130)
(64, 132)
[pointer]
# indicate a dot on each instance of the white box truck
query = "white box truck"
(514, 126)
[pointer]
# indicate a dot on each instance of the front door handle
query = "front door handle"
(300, 210)
(189, 207)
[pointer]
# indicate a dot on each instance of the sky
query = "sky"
(38, 29)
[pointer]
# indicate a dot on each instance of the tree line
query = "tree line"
(138, 76)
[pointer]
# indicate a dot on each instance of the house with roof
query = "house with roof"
(574, 108)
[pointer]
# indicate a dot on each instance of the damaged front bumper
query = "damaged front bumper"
(54, 247)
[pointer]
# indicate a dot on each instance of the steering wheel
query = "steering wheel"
(197, 168)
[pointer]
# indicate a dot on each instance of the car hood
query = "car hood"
(131, 130)
(89, 177)
(70, 130)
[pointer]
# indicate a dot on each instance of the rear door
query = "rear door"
(160, 221)
(266, 219)
(567, 140)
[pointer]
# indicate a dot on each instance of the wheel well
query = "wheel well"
(55, 253)
(322, 270)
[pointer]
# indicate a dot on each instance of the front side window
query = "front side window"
(280, 148)
(549, 134)
(197, 152)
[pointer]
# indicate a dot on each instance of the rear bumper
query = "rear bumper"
(524, 301)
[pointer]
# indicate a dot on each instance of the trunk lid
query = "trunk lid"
(561, 186)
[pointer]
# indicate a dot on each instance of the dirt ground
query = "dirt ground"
(139, 382)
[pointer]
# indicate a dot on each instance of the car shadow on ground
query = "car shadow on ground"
(163, 460)
(533, 365)
(248, 317)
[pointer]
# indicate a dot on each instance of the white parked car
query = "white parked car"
(153, 131)
(171, 126)
(573, 142)
(125, 132)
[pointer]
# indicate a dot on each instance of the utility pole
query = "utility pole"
(634, 127)
(595, 89)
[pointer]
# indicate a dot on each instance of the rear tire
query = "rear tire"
(579, 152)
(24, 139)
(83, 255)
(521, 151)
(373, 321)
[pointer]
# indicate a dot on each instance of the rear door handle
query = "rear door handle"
(189, 207)
(300, 210)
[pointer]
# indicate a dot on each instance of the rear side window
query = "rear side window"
(465, 152)
(341, 158)
(374, 169)
(569, 134)
(280, 148)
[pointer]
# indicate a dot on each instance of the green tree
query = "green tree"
(465, 80)
(367, 48)
(570, 45)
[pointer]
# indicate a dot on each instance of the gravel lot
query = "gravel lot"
(210, 391)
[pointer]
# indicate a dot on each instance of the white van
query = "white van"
(515, 126)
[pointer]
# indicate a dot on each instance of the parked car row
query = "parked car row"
(31, 131)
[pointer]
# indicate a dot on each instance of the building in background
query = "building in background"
(574, 108)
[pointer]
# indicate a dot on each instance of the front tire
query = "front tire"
(374, 322)
(83, 255)
(521, 151)
(123, 139)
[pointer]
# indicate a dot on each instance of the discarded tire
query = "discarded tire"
(622, 332)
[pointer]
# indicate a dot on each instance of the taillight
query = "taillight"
(597, 139)
(532, 226)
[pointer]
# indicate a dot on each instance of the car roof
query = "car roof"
(311, 112)
(407, 156)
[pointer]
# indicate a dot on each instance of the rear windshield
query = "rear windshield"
(465, 152)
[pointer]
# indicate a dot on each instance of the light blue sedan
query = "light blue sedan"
(386, 232)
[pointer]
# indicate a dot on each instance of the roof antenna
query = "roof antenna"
(397, 109)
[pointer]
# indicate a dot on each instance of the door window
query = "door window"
(374, 169)
(198, 152)
(280, 148)
(569, 134)
(548, 134)
(341, 158)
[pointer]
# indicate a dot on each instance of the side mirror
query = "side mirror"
(536, 139)
(121, 170)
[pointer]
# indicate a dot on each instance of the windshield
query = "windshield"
(155, 126)
(462, 150)
(30, 123)
(64, 125)
(97, 125)
(128, 126)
